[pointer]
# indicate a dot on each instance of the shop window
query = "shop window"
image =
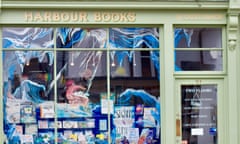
(135, 85)
(71, 98)
(198, 49)
(136, 107)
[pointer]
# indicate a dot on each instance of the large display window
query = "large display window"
(81, 85)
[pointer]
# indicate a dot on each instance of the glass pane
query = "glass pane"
(199, 114)
(81, 84)
(27, 37)
(134, 63)
(199, 61)
(136, 98)
(28, 96)
(81, 38)
(134, 37)
(198, 38)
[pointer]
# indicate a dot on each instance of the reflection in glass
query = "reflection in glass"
(81, 38)
(27, 93)
(134, 63)
(198, 38)
(27, 37)
(134, 38)
(81, 87)
(136, 109)
(199, 60)
(199, 114)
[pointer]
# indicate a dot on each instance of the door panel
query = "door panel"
(198, 111)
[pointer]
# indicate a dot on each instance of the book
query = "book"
(103, 124)
(31, 129)
(149, 120)
(27, 113)
(70, 124)
(26, 139)
(13, 111)
(47, 110)
(42, 124)
(19, 129)
(123, 119)
(90, 123)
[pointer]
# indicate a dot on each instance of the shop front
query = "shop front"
(118, 73)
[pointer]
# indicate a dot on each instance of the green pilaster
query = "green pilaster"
(232, 78)
(233, 71)
(167, 87)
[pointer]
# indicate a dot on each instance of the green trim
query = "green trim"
(143, 5)
(2, 135)
(37, 17)
(167, 85)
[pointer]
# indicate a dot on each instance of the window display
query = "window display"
(135, 78)
(71, 98)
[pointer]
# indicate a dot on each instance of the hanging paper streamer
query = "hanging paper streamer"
(86, 62)
(70, 36)
(81, 38)
(132, 38)
(27, 37)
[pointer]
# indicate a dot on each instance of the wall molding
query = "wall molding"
(233, 23)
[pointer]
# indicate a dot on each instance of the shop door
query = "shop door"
(198, 111)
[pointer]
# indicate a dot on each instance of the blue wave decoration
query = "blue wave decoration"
(28, 38)
(182, 33)
(30, 91)
(147, 98)
(134, 38)
(81, 38)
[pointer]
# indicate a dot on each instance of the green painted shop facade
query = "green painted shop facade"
(120, 72)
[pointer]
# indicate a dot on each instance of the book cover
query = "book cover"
(124, 118)
(26, 139)
(13, 111)
(47, 110)
(103, 124)
(31, 129)
(70, 124)
(19, 129)
(27, 113)
(42, 124)
(90, 123)
(149, 120)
